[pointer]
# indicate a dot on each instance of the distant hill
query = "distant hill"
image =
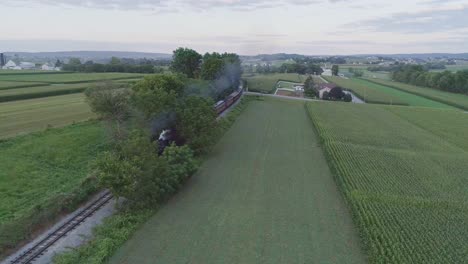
(96, 56)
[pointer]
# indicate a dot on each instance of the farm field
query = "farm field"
(4, 85)
(42, 91)
(403, 172)
(69, 77)
(287, 85)
(25, 116)
(264, 195)
(38, 168)
(266, 83)
(456, 100)
(375, 93)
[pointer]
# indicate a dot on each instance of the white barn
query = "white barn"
(10, 65)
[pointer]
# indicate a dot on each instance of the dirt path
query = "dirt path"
(265, 195)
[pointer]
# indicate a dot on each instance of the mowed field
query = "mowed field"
(266, 83)
(25, 116)
(37, 169)
(376, 93)
(404, 172)
(264, 195)
(456, 100)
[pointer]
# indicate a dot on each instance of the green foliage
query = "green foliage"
(446, 81)
(34, 91)
(42, 175)
(356, 72)
(406, 196)
(196, 123)
(158, 93)
(181, 164)
(67, 78)
(335, 70)
(309, 87)
(456, 100)
(211, 68)
(186, 61)
(108, 237)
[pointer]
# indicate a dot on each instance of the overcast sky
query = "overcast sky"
(242, 26)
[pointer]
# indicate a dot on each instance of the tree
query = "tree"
(196, 123)
(335, 70)
(158, 93)
(186, 61)
(348, 98)
(58, 64)
(212, 68)
(115, 61)
(309, 87)
(74, 61)
(336, 93)
(111, 103)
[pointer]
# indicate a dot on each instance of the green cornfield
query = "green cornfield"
(403, 171)
(453, 99)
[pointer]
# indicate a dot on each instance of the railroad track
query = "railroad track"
(40, 247)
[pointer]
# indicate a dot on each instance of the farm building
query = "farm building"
(326, 72)
(27, 65)
(49, 67)
(10, 65)
(325, 87)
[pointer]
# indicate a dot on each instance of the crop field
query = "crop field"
(69, 77)
(374, 93)
(20, 117)
(37, 168)
(266, 83)
(403, 172)
(42, 91)
(4, 85)
(264, 195)
(453, 99)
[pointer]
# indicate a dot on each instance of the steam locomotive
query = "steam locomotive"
(170, 135)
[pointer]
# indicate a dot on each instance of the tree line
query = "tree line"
(115, 65)
(299, 68)
(455, 82)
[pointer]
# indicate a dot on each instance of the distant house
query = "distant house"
(10, 65)
(49, 67)
(27, 65)
(326, 72)
(325, 87)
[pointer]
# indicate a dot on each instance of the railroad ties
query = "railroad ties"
(40, 247)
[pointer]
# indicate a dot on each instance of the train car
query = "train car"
(220, 107)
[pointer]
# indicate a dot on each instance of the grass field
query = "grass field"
(25, 116)
(287, 85)
(265, 195)
(375, 93)
(403, 172)
(38, 168)
(266, 83)
(456, 100)
(69, 77)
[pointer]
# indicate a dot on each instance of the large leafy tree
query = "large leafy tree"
(196, 123)
(158, 93)
(212, 68)
(111, 103)
(186, 61)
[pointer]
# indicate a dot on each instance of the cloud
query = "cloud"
(239, 5)
(431, 20)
